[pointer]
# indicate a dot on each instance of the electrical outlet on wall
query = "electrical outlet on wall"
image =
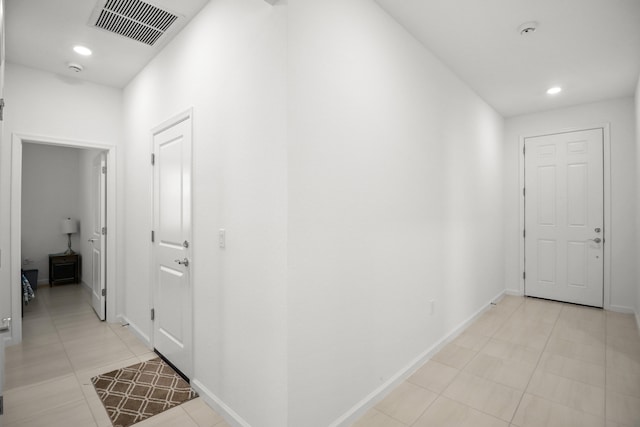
(222, 238)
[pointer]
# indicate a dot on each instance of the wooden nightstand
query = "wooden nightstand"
(64, 268)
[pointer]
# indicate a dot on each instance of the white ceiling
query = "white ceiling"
(42, 33)
(589, 47)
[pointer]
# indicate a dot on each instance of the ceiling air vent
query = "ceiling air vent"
(134, 19)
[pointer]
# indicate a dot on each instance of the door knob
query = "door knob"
(92, 240)
(597, 240)
(184, 262)
(6, 324)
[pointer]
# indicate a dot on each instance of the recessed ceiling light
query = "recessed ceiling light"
(82, 50)
(554, 90)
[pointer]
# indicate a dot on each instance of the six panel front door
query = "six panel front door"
(564, 219)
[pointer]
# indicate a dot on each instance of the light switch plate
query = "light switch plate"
(222, 238)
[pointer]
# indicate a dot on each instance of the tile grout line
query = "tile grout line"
(537, 364)
(440, 394)
(75, 373)
(492, 337)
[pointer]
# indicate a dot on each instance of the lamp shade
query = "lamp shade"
(69, 226)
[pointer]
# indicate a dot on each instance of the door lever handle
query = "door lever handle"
(6, 324)
(92, 240)
(184, 262)
(596, 240)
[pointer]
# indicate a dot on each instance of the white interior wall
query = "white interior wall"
(228, 65)
(395, 199)
(50, 193)
(619, 113)
(41, 103)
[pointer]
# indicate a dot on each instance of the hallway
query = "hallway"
(48, 376)
(524, 362)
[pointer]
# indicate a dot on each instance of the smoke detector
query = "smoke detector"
(528, 28)
(76, 68)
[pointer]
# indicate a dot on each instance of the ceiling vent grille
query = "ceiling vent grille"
(135, 20)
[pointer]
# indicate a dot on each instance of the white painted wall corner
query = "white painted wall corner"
(218, 405)
(146, 340)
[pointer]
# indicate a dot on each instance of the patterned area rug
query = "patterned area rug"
(137, 392)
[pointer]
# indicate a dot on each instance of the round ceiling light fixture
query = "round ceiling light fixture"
(76, 68)
(528, 28)
(82, 50)
(554, 90)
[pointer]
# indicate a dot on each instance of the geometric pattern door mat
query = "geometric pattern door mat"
(140, 391)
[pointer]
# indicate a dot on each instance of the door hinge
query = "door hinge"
(523, 192)
(104, 292)
(524, 233)
(153, 314)
(104, 169)
(153, 236)
(104, 231)
(523, 150)
(1, 405)
(524, 274)
(1, 115)
(153, 159)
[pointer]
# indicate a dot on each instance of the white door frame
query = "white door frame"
(607, 203)
(16, 221)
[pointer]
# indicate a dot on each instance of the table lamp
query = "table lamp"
(69, 227)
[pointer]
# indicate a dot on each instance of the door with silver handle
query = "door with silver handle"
(596, 240)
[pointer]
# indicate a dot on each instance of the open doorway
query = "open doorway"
(61, 213)
(62, 221)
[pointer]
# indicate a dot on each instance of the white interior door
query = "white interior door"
(564, 217)
(172, 327)
(98, 235)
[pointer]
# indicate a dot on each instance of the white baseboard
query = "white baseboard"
(135, 330)
(622, 309)
(218, 405)
(86, 286)
(360, 408)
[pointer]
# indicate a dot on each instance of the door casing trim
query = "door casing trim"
(17, 140)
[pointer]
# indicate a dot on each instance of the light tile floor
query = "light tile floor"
(525, 363)
(64, 345)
